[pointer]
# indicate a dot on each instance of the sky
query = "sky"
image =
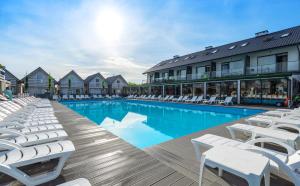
(126, 36)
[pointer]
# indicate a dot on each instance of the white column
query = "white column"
(238, 91)
(205, 91)
(149, 90)
(163, 90)
(193, 90)
(180, 89)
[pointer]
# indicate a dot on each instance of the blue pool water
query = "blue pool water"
(145, 124)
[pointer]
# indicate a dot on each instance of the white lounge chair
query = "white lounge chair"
(77, 97)
(158, 97)
(284, 165)
(184, 98)
(170, 98)
(227, 101)
(18, 156)
(65, 96)
(71, 97)
(276, 132)
(165, 98)
(211, 100)
(177, 99)
(263, 120)
(31, 139)
(192, 100)
(199, 99)
(86, 97)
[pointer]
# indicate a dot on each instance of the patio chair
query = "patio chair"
(284, 165)
(227, 101)
(211, 100)
(17, 156)
(65, 96)
(71, 96)
(55, 97)
(86, 97)
(276, 132)
(78, 97)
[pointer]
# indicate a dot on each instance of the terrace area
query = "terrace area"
(105, 159)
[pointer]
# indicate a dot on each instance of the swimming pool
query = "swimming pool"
(144, 124)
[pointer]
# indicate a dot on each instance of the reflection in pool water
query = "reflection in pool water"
(144, 124)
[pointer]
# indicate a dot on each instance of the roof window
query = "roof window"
(285, 35)
(244, 44)
(232, 47)
(215, 51)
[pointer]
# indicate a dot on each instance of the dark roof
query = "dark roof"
(265, 42)
(71, 72)
(11, 74)
(38, 69)
(111, 79)
(89, 78)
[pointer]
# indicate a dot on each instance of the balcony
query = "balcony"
(261, 69)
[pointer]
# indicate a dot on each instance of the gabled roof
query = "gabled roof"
(89, 78)
(111, 79)
(38, 69)
(71, 72)
(11, 74)
(287, 37)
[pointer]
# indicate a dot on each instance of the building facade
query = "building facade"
(71, 83)
(260, 70)
(38, 83)
(95, 84)
(14, 82)
(116, 85)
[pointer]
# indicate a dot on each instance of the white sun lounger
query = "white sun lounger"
(291, 139)
(199, 99)
(284, 165)
(166, 98)
(177, 99)
(71, 97)
(11, 160)
(194, 98)
(64, 96)
(78, 97)
(77, 182)
(170, 98)
(269, 120)
(211, 100)
(25, 140)
(184, 98)
(86, 97)
(227, 101)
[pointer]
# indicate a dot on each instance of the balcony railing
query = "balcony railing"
(261, 69)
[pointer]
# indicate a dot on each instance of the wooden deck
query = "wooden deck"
(105, 159)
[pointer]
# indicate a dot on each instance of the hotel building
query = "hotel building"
(263, 69)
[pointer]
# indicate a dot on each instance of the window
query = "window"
(244, 44)
(215, 51)
(232, 47)
(285, 35)
(118, 81)
(225, 69)
(237, 67)
(97, 80)
(200, 72)
(186, 58)
(266, 64)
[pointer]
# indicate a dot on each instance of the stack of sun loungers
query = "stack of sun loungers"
(280, 128)
(30, 133)
(184, 99)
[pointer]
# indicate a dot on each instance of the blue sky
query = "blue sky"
(126, 36)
